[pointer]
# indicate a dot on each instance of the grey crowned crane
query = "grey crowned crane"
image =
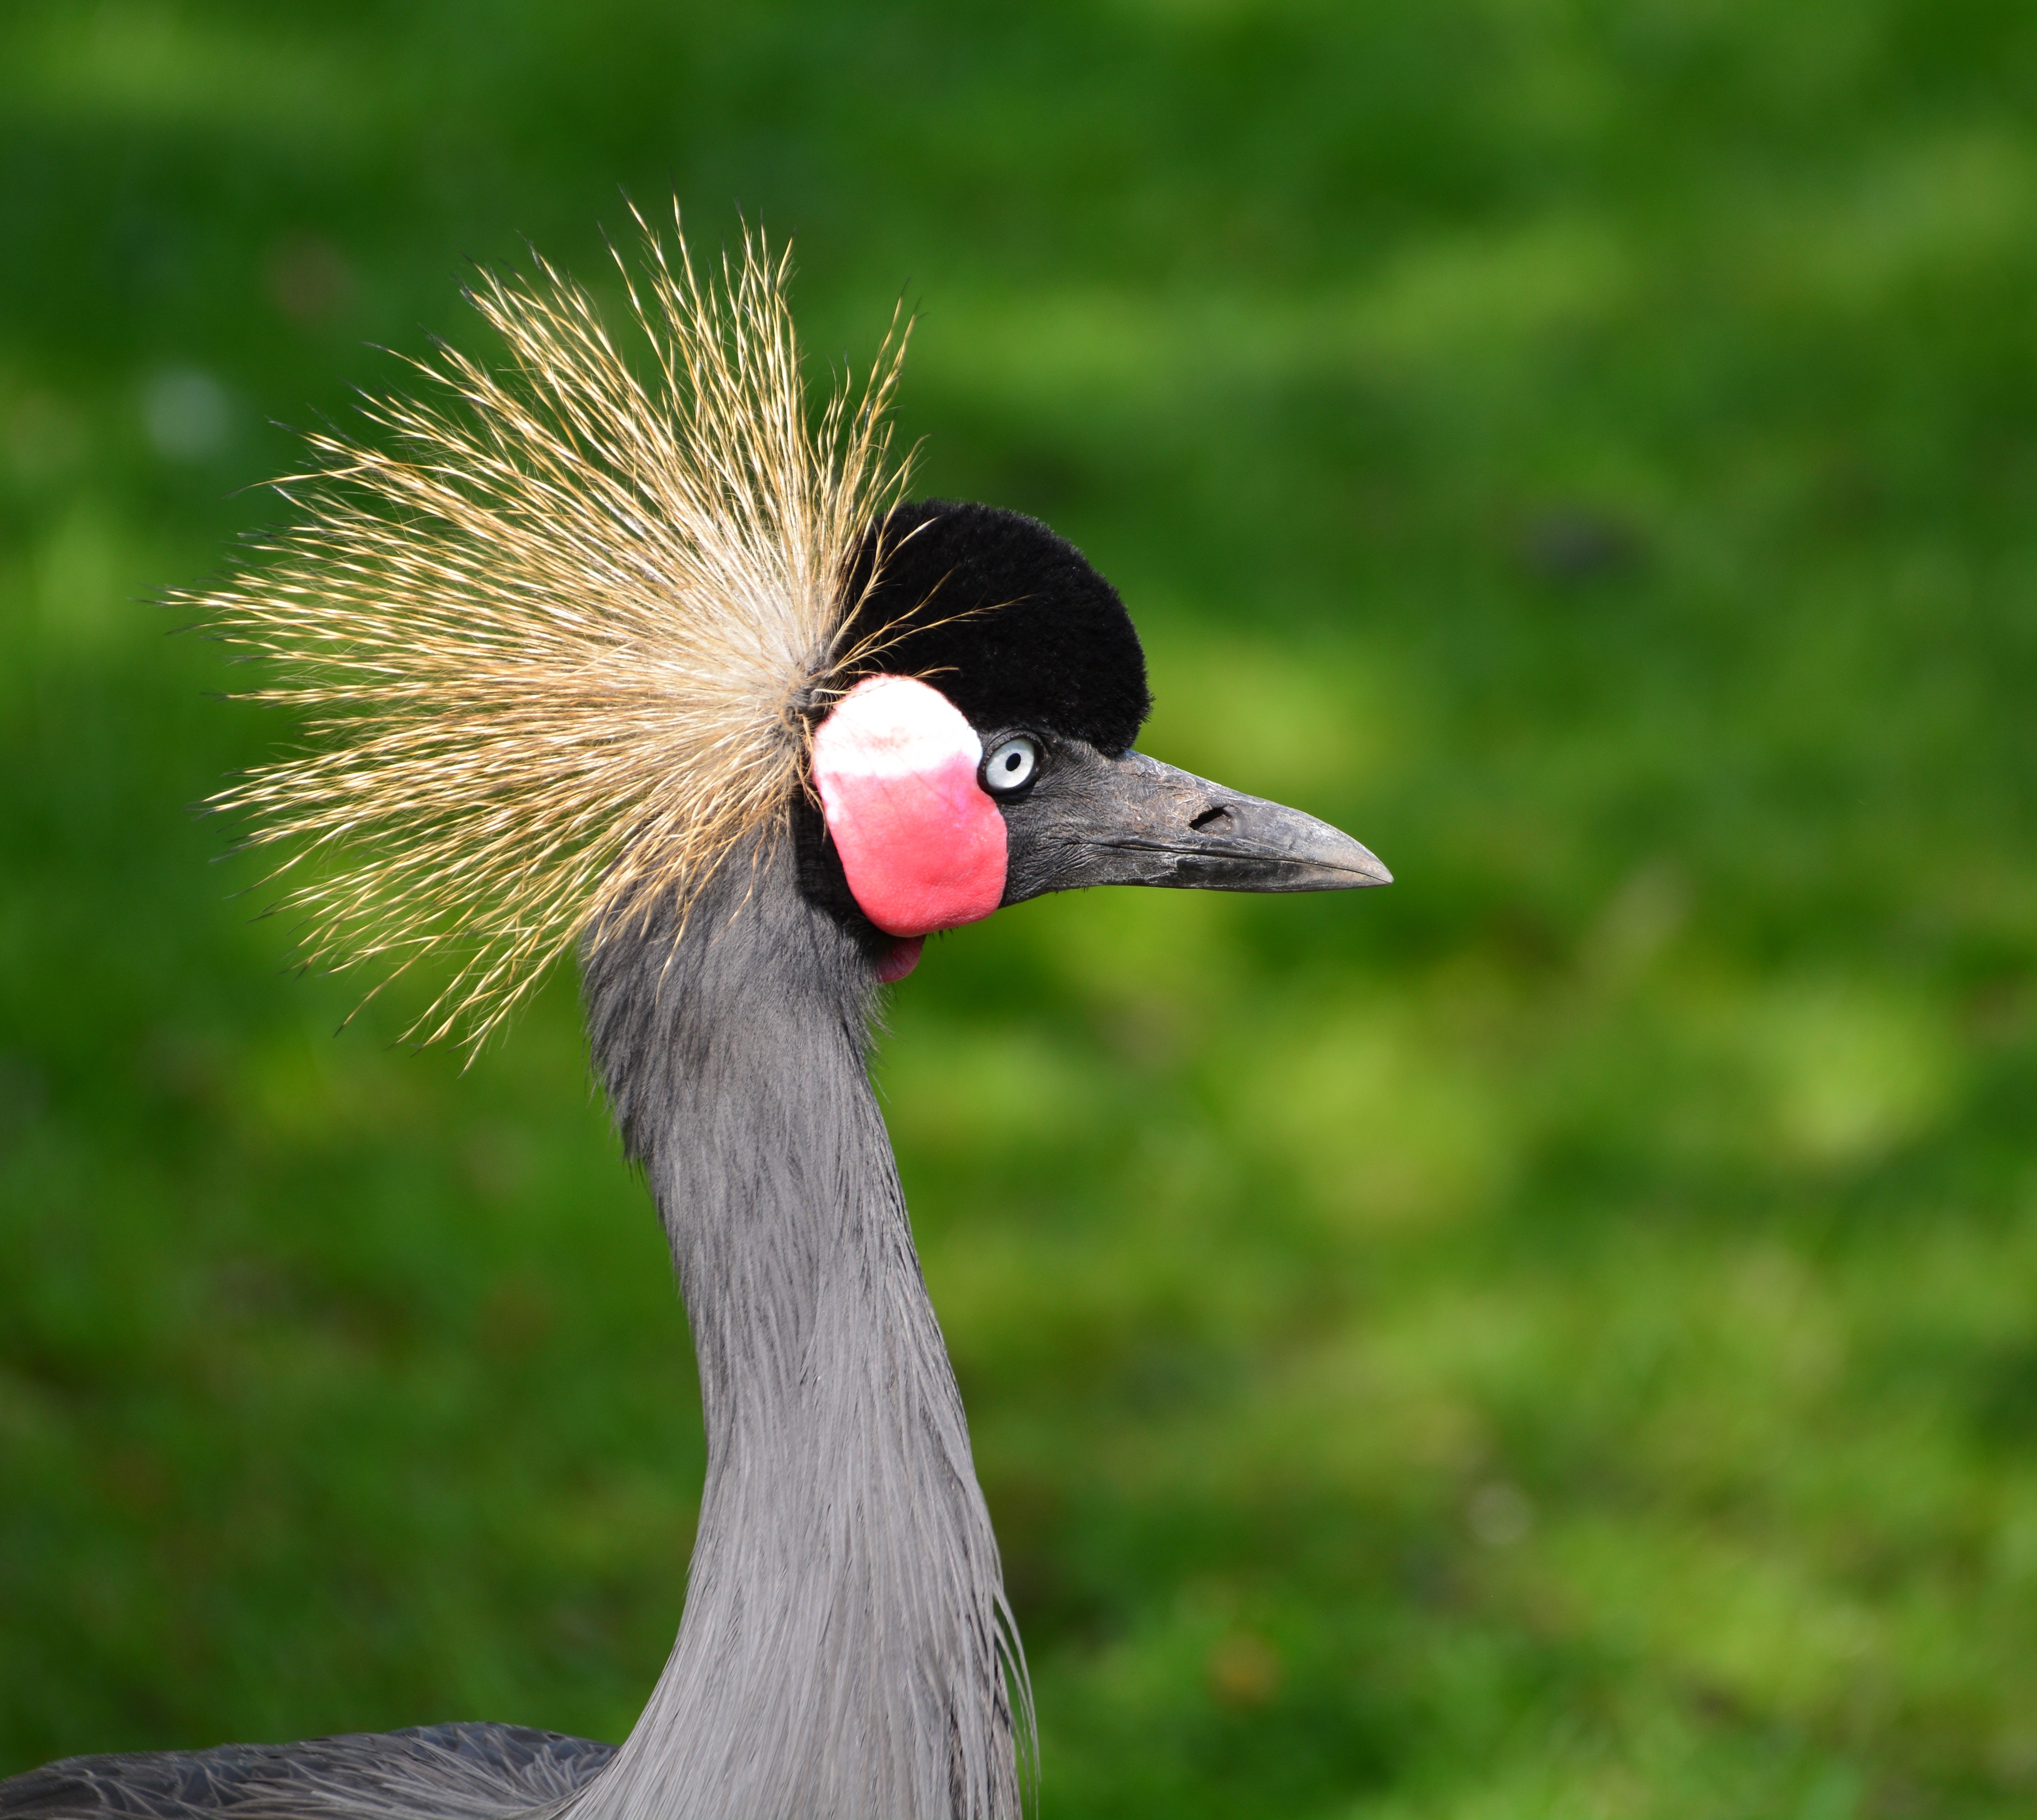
(666, 671)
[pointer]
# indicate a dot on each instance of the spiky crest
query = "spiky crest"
(557, 645)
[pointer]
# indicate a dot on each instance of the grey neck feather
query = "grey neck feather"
(845, 1647)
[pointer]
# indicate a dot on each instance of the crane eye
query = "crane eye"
(1010, 767)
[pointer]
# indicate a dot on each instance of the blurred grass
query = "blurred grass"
(1556, 1337)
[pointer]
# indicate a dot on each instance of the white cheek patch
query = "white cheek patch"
(922, 846)
(890, 727)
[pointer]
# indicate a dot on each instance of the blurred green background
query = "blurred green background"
(1556, 1338)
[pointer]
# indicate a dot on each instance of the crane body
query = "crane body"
(845, 1651)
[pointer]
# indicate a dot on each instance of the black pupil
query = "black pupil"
(1011, 760)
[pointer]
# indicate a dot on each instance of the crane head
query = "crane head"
(986, 757)
(571, 637)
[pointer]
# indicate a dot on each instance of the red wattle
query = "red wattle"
(901, 958)
(921, 844)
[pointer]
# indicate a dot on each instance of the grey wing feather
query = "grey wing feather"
(430, 1773)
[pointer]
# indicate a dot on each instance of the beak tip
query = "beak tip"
(1371, 869)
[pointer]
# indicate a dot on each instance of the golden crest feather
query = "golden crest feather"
(557, 643)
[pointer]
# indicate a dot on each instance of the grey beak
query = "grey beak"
(1133, 821)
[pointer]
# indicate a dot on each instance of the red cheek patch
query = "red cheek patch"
(922, 846)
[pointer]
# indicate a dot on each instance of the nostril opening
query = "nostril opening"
(1215, 813)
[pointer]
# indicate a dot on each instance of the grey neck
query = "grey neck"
(845, 1645)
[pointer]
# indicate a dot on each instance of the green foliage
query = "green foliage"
(1556, 1338)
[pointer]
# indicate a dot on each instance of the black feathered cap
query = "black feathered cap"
(1006, 619)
